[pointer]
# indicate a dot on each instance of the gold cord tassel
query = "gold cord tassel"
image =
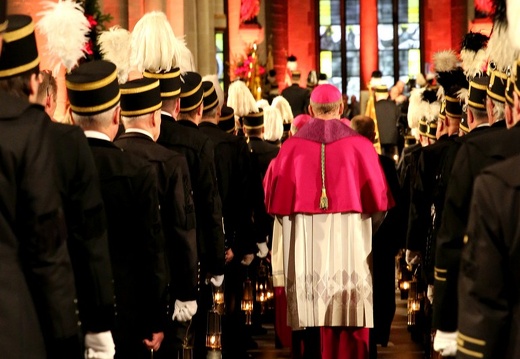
(324, 201)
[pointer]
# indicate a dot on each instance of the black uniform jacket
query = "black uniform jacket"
(36, 280)
(489, 281)
(129, 189)
(177, 210)
(387, 114)
(427, 200)
(185, 137)
(233, 167)
(262, 153)
(298, 98)
(86, 227)
(475, 154)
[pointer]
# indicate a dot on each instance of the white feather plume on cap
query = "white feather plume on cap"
(115, 46)
(500, 50)
(240, 99)
(284, 107)
(66, 28)
(445, 61)
(154, 45)
(513, 20)
(186, 62)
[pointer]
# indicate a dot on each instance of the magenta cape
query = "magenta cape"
(354, 179)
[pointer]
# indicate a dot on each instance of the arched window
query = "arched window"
(339, 41)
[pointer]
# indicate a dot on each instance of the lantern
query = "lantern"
(261, 286)
(187, 348)
(214, 330)
(218, 299)
(414, 302)
(247, 300)
(270, 290)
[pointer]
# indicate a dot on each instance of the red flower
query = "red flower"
(91, 21)
(88, 48)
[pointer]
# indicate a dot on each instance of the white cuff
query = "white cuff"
(262, 250)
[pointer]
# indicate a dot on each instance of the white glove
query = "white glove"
(262, 250)
(445, 343)
(184, 311)
(412, 257)
(99, 346)
(247, 259)
(429, 293)
(217, 280)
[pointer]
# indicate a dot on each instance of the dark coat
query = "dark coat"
(262, 153)
(86, 227)
(233, 166)
(298, 98)
(185, 137)
(475, 154)
(37, 290)
(489, 280)
(129, 190)
(177, 210)
(387, 113)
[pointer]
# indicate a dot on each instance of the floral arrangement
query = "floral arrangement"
(96, 20)
(247, 66)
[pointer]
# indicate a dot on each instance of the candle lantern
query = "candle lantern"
(414, 302)
(218, 299)
(187, 347)
(214, 331)
(404, 279)
(261, 286)
(247, 300)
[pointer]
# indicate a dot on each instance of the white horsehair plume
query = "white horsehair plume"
(500, 50)
(273, 123)
(154, 45)
(445, 61)
(115, 46)
(463, 96)
(414, 108)
(65, 27)
(241, 99)
(220, 94)
(186, 62)
(513, 21)
(263, 103)
(284, 107)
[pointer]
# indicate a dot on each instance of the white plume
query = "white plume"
(463, 96)
(186, 62)
(500, 50)
(154, 45)
(513, 21)
(263, 103)
(240, 99)
(115, 46)
(66, 28)
(473, 63)
(273, 124)
(445, 61)
(283, 106)
(414, 108)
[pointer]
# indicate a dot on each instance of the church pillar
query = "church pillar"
(280, 39)
(369, 58)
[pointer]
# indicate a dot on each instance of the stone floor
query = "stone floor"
(400, 347)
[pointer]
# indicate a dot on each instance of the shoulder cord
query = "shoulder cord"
(324, 201)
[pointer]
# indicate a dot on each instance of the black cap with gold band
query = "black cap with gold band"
(453, 103)
(516, 77)
(497, 86)
(210, 96)
(3, 12)
(254, 120)
(170, 82)
(226, 120)
(19, 51)
(442, 112)
(93, 87)
(477, 93)
(510, 89)
(139, 97)
(191, 91)
(464, 126)
(428, 129)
